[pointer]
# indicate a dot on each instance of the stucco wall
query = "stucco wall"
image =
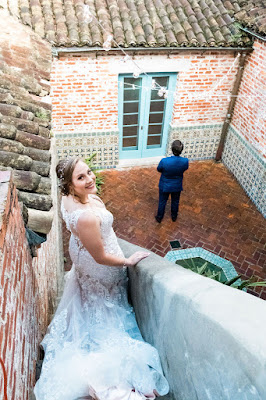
(211, 338)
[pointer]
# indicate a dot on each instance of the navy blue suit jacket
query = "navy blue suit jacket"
(172, 169)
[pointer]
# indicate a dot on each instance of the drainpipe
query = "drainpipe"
(231, 106)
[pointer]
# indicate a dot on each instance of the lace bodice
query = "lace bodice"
(93, 277)
(84, 263)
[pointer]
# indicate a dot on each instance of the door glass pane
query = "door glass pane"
(130, 94)
(157, 105)
(131, 89)
(131, 107)
(163, 82)
(156, 118)
(129, 82)
(130, 142)
(154, 140)
(130, 119)
(155, 129)
(130, 130)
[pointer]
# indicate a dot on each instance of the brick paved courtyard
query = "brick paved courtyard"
(215, 213)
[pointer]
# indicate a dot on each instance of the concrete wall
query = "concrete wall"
(211, 338)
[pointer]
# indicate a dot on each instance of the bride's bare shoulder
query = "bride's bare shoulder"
(88, 220)
(97, 198)
(69, 204)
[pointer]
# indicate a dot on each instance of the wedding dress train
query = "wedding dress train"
(93, 345)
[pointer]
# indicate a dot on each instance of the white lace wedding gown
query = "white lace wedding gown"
(93, 345)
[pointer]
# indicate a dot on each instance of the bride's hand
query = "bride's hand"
(136, 257)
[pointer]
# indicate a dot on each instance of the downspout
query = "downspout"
(231, 106)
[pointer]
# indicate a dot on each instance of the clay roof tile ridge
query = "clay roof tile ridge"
(85, 36)
(37, 17)
(25, 12)
(49, 24)
(97, 39)
(116, 21)
(71, 23)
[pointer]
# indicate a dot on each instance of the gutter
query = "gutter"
(86, 49)
(231, 106)
(253, 34)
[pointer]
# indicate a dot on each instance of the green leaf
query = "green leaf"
(88, 159)
(254, 284)
(203, 268)
(99, 178)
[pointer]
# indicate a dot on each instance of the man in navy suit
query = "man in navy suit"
(172, 169)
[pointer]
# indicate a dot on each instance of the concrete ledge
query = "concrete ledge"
(139, 162)
(211, 338)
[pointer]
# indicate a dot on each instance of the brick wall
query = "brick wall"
(250, 109)
(85, 94)
(201, 100)
(28, 288)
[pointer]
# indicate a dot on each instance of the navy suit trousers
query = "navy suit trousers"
(163, 197)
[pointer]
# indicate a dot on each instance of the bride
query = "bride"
(93, 347)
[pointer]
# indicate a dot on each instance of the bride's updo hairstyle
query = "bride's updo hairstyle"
(64, 171)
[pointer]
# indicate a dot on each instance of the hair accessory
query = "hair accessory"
(61, 169)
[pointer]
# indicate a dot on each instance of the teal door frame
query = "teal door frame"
(142, 150)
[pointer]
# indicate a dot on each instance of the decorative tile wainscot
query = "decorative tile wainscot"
(104, 144)
(248, 166)
(200, 142)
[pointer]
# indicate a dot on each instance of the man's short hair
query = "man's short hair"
(177, 147)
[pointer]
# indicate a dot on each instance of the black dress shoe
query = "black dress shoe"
(158, 219)
(174, 218)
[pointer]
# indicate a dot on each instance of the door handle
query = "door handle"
(141, 127)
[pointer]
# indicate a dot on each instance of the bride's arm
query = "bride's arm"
(89, 233)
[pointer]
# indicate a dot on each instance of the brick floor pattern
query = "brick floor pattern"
(214, 213)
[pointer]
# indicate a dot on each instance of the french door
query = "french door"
(144, 115)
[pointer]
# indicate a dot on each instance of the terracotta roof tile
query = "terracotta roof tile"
(147, 23)
(25, 123)
(250, 13)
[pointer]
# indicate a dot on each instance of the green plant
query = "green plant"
(206, 269)
(236, 31)
(99, 177)
(42, 114)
